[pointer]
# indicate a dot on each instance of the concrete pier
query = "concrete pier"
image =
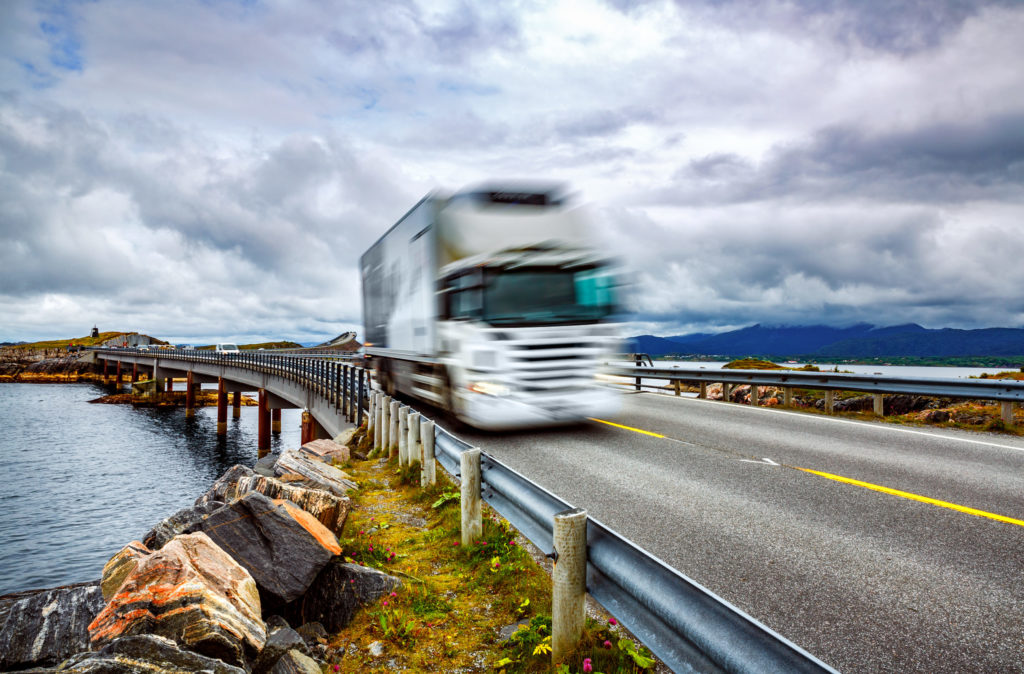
(190, 395)
(222, 407)
(275, 421)
(236, 405)
(263, 442)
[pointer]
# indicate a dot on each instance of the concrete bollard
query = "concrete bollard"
(830, 402)
(413, 449)
(392, 450)
(1007, 412)
(755, 395)
(787, 396)
(472, 514)
(568, 582)
(879, 404)
(385, 424)
(403, 436)
(427, 473)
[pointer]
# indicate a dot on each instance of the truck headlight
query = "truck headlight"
(489, 388)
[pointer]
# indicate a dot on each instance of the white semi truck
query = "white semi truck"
(492, 304)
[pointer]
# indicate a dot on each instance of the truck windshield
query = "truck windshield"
(546, 296)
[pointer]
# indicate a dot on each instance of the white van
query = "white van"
(227, 348)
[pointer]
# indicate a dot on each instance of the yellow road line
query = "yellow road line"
(915, 497)
(628, 428)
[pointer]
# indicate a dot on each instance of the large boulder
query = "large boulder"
(182, 522)
(281, 545)
(190, 591)
(313, 472)
(296, 662)
(338, 592)
(280, 641)
(327, 451)
(144, 653)
(44, 627)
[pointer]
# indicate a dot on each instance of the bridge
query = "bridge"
(329, 388)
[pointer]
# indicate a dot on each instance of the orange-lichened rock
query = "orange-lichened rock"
(190, 591)
(118, 568)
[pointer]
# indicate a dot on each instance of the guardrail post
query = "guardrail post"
(830, 401)
(383, 406)
(371, 422)
(568, 582)
(727, 392)
(403, 436)
(413, 450)
(472, 515)
(359, 399)
(703, 395)
(879, 404)
(1007, 412)
(393, 429)
(755, 395)
(678, 386)
(787, 396)
(638, 381)
(427, 474)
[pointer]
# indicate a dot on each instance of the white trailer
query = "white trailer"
(492, 304)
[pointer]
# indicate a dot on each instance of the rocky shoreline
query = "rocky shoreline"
(215, 587)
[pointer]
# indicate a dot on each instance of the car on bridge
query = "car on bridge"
(227, 349)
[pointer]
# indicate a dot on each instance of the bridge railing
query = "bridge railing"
(687, 626)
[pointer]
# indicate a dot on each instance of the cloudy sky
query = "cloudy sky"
(205, 170)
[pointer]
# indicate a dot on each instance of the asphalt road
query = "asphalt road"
(867, 581)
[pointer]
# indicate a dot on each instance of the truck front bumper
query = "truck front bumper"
(499, 413)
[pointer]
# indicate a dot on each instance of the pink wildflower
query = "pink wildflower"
(587, 667)
(613, 621)
(386, 603)
(337, 668)
(394, 594)
(361, 532)
(607, 644)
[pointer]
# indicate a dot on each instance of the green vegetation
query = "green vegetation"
(79, 341)
(454, 599)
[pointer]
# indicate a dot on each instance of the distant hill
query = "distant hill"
(825, 342)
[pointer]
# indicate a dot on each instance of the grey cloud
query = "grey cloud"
(941, 163)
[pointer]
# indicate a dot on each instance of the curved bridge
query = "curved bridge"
(330, 389)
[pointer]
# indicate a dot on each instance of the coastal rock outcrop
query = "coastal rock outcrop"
(45, 627)
(296, 662)
(281, 640)
(119, 567)
(281, 545)
(190, 591)
(225, 489)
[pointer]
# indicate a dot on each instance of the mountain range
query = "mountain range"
(824, 342)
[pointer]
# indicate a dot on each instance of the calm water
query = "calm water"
(83, 480)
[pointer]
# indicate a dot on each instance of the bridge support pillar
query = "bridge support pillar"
(703, 395)
(222, 407)
(830, 402)
(135, 372)
(275, 421)
(117, 375)
(190, 396)
(105, 375)
(755, 395)
(787, 396)
(158, 386)
(879, 404)
(236, 405)
(1007, 412)
(568, 582)
(308, 433)
(263, 424)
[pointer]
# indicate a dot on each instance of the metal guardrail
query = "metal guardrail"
(685, 625)
(980, 389)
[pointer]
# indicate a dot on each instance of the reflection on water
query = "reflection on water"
(83, 480)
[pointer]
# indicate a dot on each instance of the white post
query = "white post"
(568, 582)
(755, 395)
(385, 424)
(879, 404)
(370, 419)
(703, 395)
(413, 450)
(427, 474)
(403, 436)
(787, 396)
(392, 450)
(727, 392)
(1007, 412)
(830, 401)
(472, 515)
